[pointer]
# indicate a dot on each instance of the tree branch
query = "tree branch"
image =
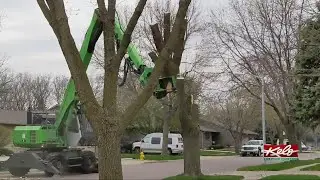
(71, 53)
(167, 26)
(177, 56)
(128, 32)
(153, 56)
(163, 58)
(157, 37)
(45, 10)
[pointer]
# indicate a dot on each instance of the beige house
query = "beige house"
(215, 133)
(10, 119)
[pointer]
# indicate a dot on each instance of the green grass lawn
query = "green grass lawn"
(217, 153)
(312, 168)
(279, 166)
(226, 177)
(291, 177)
(175, 157)
(157, 157)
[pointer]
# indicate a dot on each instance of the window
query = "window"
(253, 142)
(155, 140)
(73, 124)
(169, 140)
(146, 140)
(180, 140)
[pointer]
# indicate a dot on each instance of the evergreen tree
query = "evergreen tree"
(307, 92)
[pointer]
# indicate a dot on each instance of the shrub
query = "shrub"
(217, 147)
(5, 136)
(5, 152)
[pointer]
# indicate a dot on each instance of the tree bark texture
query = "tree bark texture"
(171, 67)
(167, 27)
(189, 119)
(165, 127)
(291, 134)
(109, 153)
(237, 144)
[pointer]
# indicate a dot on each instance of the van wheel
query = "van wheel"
(169, 151)
(137, 150)
(259, 153)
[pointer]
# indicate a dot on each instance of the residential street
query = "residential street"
(134, 169)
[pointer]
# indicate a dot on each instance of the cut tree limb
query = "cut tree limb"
(167, 27)
(177, 56)
(153, 56)
(157, 37)
(159, 65)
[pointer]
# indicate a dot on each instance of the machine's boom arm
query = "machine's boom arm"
(70, 100)
(92, 35)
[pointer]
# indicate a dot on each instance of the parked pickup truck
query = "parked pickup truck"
(252, 147)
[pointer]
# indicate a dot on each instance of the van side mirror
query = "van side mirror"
(142, 141)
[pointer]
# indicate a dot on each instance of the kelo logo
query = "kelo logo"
(278, 151)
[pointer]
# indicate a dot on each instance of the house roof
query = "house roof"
(54, 107)
(208, 126)
(213, 126)
(13, 117)
(249, 132)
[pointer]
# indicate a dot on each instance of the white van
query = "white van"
(152, 143)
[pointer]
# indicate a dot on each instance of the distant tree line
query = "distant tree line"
(19, 91)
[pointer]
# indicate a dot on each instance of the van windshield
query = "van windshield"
(253, 143)
(180, 140)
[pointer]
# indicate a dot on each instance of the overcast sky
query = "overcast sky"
(28, 40)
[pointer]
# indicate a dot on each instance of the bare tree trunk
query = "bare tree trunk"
(237, 144)
(190, 131)
(165, 133)
(281, 138)
(291, 133)
(109, 153)
(165, 127)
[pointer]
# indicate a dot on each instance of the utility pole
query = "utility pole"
(263, 118)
